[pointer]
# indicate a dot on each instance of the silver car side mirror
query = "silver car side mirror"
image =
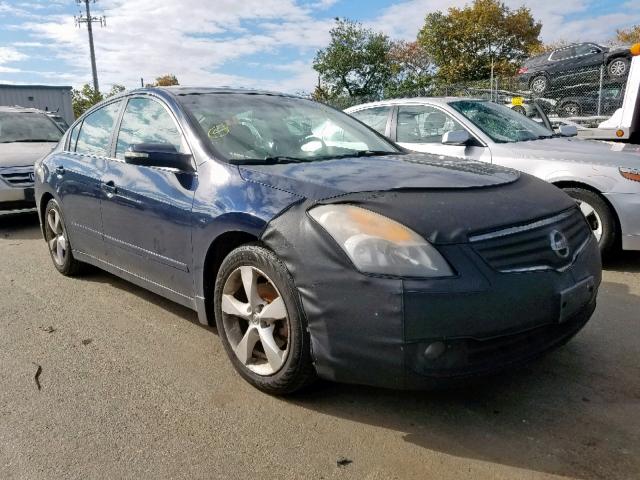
(568, 130)
(456, 137)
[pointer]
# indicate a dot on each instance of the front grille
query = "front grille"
(548, 244)
(19, 177)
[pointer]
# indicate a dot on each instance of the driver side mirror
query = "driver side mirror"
(568, 130)
(456, 137)
(162, 155)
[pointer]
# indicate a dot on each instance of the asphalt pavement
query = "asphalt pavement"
(101, 379)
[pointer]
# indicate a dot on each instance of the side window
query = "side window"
(424, 124)
(73, 137)
(375, 117)
(147, 121)
(96, 130)
(586, 49)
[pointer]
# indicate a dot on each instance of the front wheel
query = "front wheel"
(261, 322)
(618, 68)
(598, 215)
(570, 109)
(55, 234)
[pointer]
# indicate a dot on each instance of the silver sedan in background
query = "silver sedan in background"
(604, 180)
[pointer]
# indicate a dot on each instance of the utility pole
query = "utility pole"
(89, 20)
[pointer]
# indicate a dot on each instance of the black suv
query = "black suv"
(577, 63)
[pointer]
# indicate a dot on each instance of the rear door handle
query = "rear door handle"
(109, 188)
(60, 170)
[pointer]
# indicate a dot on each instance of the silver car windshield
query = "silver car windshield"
(500, 123)
(27, 127)
(260, 128)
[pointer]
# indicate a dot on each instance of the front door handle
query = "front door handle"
(109, 188)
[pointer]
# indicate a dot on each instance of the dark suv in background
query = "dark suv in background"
(577, 63)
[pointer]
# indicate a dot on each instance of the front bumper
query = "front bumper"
(19, 196)
(375, 331)
(627, 206)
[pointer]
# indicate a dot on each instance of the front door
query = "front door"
(147, 212)
(420, 128)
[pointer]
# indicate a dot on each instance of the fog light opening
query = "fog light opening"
(434, 350)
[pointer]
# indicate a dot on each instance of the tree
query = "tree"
(629, 35)
(355, 62)
(412, 69)
(85, 98)
(464, 42)
(548, 47)
(166, 81)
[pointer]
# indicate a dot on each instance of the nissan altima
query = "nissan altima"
(317, 247)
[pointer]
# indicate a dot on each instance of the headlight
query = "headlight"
(630, 174)
(377, 244)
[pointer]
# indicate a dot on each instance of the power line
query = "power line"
(89, 20)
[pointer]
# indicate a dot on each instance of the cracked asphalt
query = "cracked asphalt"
(131, 386)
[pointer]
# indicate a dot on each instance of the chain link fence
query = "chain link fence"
(581, 96)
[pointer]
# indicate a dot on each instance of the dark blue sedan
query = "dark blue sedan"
(316, 246)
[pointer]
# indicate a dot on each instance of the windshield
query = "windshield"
(27, 127)
(255, 128)
(500, 123)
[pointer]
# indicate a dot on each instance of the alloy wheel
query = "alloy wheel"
(539, 85)
(571, 109)
(618, 68)
(255, 320)
(593, 219)
(57, 237)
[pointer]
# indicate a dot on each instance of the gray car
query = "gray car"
(26, 135)
(604, 180)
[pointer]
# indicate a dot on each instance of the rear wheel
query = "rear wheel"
(598, 215)
(570, 109)
(539, 84)
(261, 323)
(55, 233)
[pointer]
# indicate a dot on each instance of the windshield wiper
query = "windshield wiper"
(267, 160)
(359, 153)
(31, 140)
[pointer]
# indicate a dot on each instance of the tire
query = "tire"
(570, 109)
(289, 366)
(519, 109)
(618, 67)
(539, 84)
(599, 216)
(55, 234)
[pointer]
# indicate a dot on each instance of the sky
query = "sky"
(249, 43)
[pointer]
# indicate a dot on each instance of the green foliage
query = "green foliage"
(464, 41)
(628, 35)
(355, 62)
(166, 81)
(85, 98)
(412, 70)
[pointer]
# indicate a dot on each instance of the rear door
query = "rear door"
(78, 171)
(420, 128)
(147, 212)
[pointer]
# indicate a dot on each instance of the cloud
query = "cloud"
(148, 38)
(10, 54)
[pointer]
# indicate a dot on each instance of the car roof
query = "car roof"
(18, 109)
(178, 91)
(442, 101)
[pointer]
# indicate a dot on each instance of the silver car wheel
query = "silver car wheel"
(255, 320)
(593, 219)
(539, 85)
(618, 68)
(57, 237)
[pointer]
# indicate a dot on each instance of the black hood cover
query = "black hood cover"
(321, 179)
